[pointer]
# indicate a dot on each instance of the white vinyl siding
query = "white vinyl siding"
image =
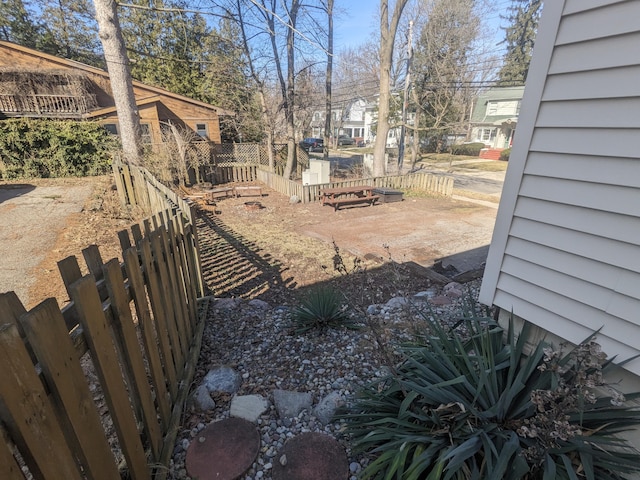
(566, 249)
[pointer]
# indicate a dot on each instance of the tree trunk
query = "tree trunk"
(120, 79)
(290, 91)
(387, 36)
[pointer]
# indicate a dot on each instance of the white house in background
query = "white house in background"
(495, 116)
(565, 254)
(357, 119)
(351, 118)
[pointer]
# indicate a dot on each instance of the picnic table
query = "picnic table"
(348, 196)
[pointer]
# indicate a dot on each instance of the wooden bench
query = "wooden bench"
(248, 191)
(221, 192)
(336, 202)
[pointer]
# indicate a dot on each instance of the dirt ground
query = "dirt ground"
(265, 253)
(292, 245)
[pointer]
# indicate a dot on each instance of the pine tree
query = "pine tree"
(520, 37)
(165, 45)
(19, 25)
(72, 27)
(227, 84)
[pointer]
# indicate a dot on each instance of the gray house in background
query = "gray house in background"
(495, 116)
(565, 254)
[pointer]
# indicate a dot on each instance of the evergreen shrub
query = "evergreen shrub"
(322, 308)
(505, 154)
(467, 404)
(54, 148)
(470, 149)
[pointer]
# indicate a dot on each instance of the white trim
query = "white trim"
(534, 88)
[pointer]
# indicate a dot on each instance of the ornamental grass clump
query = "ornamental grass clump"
(322, 308)
(472, 406)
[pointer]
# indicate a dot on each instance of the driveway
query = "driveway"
(32, 215)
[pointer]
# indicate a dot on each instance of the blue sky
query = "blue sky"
(356, 19)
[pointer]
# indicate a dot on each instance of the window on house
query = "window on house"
(488, 134)
(145, 133)
(492, 108)
(201, 130)
(112, 128)
(316, 116)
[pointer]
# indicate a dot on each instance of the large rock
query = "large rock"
(228, 303)
(257, 304)
(202, 400)
(290, 404)
(248, 407)
(222, 379)
(327, 407)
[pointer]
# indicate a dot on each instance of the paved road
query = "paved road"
(478, 181)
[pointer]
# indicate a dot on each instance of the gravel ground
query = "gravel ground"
(257, 340)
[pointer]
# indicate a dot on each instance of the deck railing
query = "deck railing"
(47, 105)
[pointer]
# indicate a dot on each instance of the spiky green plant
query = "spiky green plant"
(473, 406)
(321, 308)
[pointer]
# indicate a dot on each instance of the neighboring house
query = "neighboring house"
(349, 119)
(565, 254)
(357, 119)
(495, 117)
(39, 85)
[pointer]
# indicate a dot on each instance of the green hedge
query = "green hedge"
(505, 154)
(470, 149)
(53, 148)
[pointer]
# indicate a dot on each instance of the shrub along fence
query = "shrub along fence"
(138, 325)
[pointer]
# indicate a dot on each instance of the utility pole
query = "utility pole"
(405, 102)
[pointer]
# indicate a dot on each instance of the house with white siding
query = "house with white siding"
(565, 254)
(495, 116)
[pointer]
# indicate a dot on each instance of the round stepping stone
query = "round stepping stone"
(311, 456)
(223, 450)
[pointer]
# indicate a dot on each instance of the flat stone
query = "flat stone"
(327, 407)
(222, 379)
(312, 456)
(223, 450)
(248, 407)
(441, 300)
(290, 404)
(397, 302)
(426, 294)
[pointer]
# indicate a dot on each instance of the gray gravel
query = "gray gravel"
(260, 345)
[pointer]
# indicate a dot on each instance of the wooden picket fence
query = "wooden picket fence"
(134, 327)
(137, 187)
(52, 427)
(436, 184)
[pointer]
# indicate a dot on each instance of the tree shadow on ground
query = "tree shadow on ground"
(235, 267)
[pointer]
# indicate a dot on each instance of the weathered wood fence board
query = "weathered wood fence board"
(437, 184)
(140, 324)
(137, 187)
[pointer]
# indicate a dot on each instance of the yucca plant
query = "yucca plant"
(473, 406)
(321, 308)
